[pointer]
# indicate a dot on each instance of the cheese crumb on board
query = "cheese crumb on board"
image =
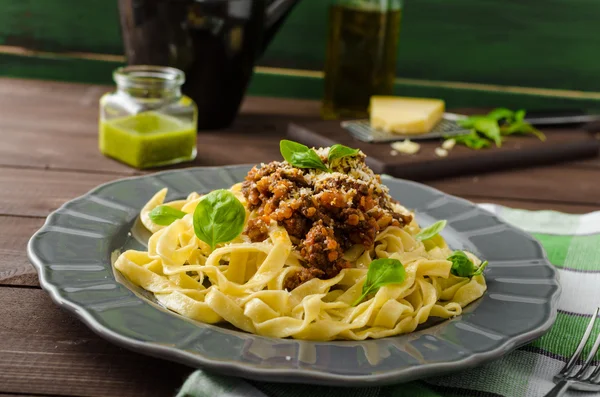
(448, 144)
(403, 115)
(406, 147)
(440, 152)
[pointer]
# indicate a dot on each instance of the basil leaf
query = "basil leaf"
(489, 128)
(430, 231)
(301, 156)
(462, 266)
(338, 151)
(164, 215)
(219, 218)
(472, 141)
(469, 122)
(481, 268)
(477, 143)
(522, 127)
(382, 272)
(501, 113)
(514, 128)
(534, 131)
(498, 122)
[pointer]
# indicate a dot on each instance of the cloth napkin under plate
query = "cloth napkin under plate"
(572, 243)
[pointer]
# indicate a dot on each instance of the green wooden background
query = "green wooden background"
(534, 53)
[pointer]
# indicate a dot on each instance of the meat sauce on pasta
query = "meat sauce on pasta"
(300, 264)
(325, 213)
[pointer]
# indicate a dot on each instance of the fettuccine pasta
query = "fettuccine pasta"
(246, 281)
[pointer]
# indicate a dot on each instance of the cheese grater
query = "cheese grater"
(362, 130)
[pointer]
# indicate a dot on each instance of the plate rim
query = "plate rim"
(247, 370)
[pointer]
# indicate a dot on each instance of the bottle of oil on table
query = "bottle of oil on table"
(361, 55)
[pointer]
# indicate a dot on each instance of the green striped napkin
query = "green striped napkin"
(572, 243)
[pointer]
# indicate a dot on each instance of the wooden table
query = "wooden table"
(49, 155)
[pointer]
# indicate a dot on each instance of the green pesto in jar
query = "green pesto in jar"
(148, 139)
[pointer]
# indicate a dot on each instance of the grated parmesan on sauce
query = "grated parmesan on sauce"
(352, 168)
(347, 168)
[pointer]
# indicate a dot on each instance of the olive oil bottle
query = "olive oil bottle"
(361, 55)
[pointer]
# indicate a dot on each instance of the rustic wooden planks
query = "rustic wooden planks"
(34, 193)
(560, 145)
(30, 192)
(545, 185)
(48, 140)
(48, 156)
(25, 395)
(44, 350)
(14, 266)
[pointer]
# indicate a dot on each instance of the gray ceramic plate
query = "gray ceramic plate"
(72, 253)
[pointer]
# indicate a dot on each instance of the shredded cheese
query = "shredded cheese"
(406, 147)
(448, 144)
(351, 168)
(440, 152)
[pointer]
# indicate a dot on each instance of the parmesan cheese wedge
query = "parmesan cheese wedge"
(403, 115)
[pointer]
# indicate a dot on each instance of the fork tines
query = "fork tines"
(569, 371)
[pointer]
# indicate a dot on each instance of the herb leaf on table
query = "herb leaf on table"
(489, 128)
(472, 140)
(493, 126)
(501, 113)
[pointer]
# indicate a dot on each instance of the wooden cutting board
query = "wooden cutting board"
(562, 144)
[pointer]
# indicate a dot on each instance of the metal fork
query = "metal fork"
(584, 378)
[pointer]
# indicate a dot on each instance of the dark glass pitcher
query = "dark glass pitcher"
(215, 42)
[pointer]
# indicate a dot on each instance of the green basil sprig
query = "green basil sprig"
(487, 126)
(522, 127)
(338, 151)
(381, 272)
(503, 113)
(164, 215)
(472, 140)
(431, 231)
(520, 115)
(301, 156)
(491, 127)
(219, 217)
(462, 266)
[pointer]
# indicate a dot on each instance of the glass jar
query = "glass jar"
(147, 122)
(361, 55)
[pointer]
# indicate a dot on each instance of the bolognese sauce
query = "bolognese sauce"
(325, 213)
